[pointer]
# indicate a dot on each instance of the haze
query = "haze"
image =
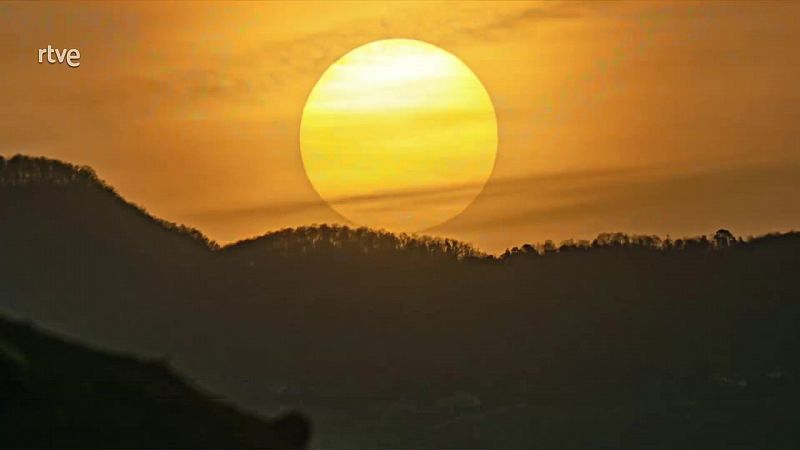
(644, 117)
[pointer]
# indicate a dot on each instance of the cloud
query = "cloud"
(504, 23)
(636, 198)
(667, 198)
(420, 195)
(240, 76)
(280, 62)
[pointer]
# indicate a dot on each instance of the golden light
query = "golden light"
(398, 134)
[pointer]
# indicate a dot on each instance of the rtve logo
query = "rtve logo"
(71, 57)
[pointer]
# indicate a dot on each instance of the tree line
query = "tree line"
(21, 171)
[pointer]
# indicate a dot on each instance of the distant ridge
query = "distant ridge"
(26, 171)
(22, 171)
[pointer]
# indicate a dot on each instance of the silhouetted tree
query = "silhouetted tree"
(723, 238)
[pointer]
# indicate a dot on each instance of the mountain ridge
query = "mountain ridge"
(393, 343)
(21, 170)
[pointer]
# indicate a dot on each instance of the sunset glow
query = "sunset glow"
(391, 127)
(635, 116)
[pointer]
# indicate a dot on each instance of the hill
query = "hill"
(58, 394)
(403, 341)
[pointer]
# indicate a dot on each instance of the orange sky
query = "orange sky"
(641, 117)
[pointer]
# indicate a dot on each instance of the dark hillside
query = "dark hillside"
(70, 242)
(58, 394)
(401, 341)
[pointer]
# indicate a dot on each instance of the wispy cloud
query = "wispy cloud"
(667, 196)
(652, 190)
(504, 23)
(424, 195)
(278, 62)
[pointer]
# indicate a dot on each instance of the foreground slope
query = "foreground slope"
(59, 394)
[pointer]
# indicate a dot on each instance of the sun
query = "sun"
(398, 134)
